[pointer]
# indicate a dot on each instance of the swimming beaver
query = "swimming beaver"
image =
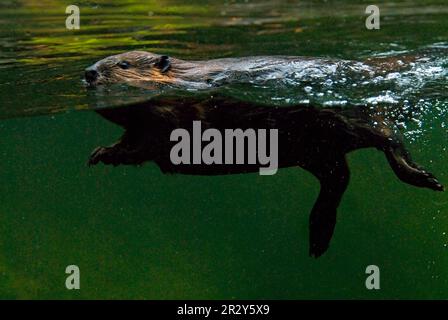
(316, 139)
(145, 69)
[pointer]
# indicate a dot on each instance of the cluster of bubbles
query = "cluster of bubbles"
(414, 97)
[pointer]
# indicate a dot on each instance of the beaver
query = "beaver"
(145, 69)
(312, 137)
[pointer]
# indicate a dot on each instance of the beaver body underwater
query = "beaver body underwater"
(316, 139)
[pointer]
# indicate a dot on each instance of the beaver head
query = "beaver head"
(131, 66)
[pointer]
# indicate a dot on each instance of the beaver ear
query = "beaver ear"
(163, 63)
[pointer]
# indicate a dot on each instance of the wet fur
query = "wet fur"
(146, 68)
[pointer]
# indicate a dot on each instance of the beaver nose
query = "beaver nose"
(91, 74)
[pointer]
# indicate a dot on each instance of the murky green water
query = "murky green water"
(136, 233)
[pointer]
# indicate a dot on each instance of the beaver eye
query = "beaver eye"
(124, 64)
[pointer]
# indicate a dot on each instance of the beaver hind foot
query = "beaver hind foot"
(409, 172)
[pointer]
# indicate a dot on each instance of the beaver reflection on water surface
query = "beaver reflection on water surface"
(316, 139)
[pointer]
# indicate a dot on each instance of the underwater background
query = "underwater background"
(138, 234)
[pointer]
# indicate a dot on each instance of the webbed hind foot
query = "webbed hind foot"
(409, 172)
(385, 138)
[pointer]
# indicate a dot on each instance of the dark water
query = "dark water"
(136, 233)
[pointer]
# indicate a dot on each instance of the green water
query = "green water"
(136, 233)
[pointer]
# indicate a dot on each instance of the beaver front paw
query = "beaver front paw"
(118, 154)
(106, 155)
